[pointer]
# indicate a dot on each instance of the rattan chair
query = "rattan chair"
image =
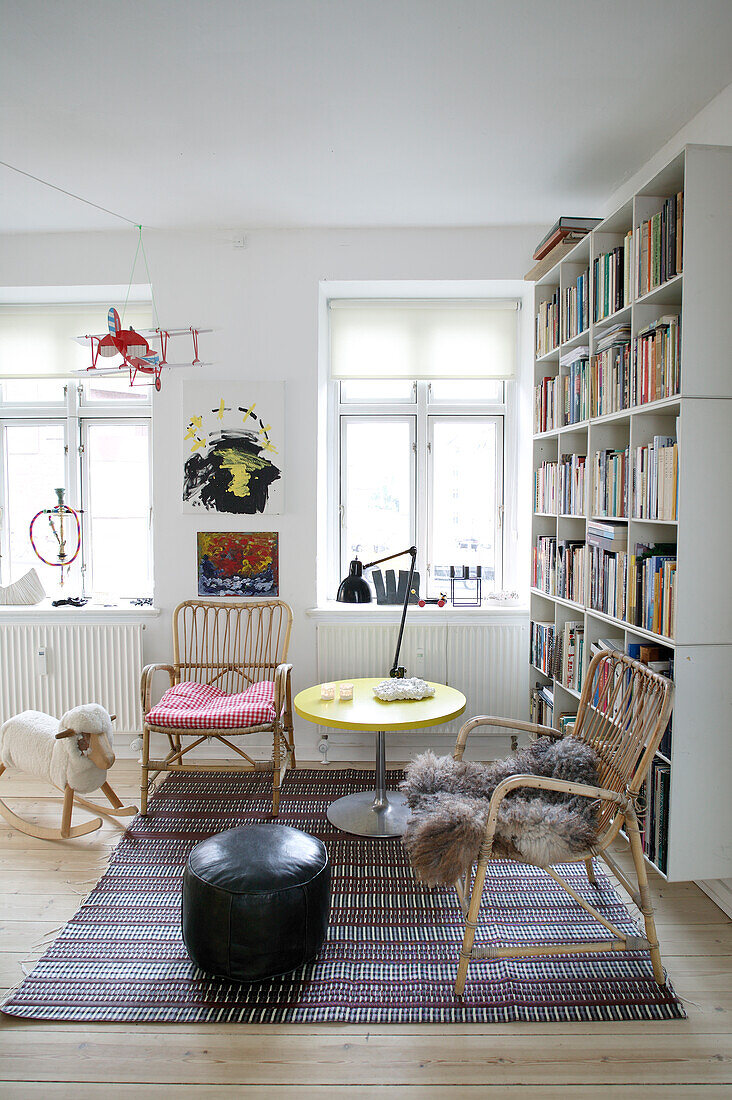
(622, 713)
(230, 645)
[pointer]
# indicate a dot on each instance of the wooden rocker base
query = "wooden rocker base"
(67, 831)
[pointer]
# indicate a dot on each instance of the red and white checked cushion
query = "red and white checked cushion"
(193, 706)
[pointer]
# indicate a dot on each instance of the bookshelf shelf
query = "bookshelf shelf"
(696, 809)
(615, 318)
(670, 291)
(575, 341)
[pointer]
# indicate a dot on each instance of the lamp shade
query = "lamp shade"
(353, 588)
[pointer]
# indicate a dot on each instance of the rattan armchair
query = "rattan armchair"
(230, 645)
(622, 713)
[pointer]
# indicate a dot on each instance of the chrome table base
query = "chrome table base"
(378, 813)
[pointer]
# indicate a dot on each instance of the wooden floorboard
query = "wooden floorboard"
(42, 882)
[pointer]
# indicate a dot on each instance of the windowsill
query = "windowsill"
(495, 611)
(92, 612)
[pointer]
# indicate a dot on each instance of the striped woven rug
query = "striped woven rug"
(391, 952)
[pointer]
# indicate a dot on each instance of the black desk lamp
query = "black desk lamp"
(354, 589)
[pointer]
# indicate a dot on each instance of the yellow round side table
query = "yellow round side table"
(378, 813)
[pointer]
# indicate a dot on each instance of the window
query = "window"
(427, 471)
(89, 436)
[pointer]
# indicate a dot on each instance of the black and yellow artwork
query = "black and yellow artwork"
(233, 448)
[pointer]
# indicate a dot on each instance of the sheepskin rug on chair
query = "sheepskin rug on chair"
(449, 802)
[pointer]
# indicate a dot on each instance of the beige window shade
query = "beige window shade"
(38, 339)
(423, 339)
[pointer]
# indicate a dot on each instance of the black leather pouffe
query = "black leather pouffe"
(256, 901)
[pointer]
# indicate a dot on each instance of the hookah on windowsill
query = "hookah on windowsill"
(60, 518)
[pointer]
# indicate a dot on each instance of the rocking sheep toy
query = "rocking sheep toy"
(73, 754)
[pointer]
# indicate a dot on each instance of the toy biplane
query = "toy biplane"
(134, 347)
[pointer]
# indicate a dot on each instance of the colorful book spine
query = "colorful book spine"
(611, 380)
(655, 478)
(575, 307)
(609, 280)
(658, 246)
(544, 565)
(656, 368)
(610, 484)
(572, 482)
(548, 325)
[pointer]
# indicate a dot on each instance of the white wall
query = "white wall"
(262, 302)
(711, 126)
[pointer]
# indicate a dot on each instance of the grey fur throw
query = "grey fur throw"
(449, 802)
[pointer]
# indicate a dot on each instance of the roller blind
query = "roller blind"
(38, 339)
(423, 339)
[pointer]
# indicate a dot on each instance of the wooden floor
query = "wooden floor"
(43, 881)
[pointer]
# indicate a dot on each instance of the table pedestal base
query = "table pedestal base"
(379, 813)
(364, 815)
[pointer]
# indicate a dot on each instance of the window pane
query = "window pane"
(118, 508)
(35, 466)
(377, 489)
(109, 388)
(456, 390)
(32, 391)
(463, 505)
(378, 390)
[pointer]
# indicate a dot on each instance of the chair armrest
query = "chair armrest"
(283, 691)
(146, 682)
(492, 720)
(546, 783)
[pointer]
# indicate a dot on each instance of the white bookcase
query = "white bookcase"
(700, 799)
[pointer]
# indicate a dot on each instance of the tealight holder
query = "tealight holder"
(327, 691)
(345, 692)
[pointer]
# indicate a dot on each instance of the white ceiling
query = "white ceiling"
(244, 113)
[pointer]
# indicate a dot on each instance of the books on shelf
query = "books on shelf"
(655, 479)
(561, 228)
(571, 490)
(564, 399)
(656, 371)
(575, 312)
(547, 325)
(610, 373)
(570, 570)
(546, 488)
(653, 802)
(660, 659)
(574, 386)
(541, 705)
(541, 642)
(611, 279)
(573, 646)
(610, 484)
(659, 246)
(652, 587)
(544, 564)
(608, 549)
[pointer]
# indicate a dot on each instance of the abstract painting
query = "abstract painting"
(238, 563)
(233, 441)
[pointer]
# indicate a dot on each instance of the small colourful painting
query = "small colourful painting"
(238, 563)
(233, 437)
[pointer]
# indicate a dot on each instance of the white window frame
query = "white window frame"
(421, 413)
(74, 413)
(400, 416)
(86, 519)
(497, 418)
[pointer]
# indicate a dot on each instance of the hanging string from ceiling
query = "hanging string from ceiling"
(70, 194)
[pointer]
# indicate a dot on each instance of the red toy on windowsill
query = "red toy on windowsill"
(441, 600)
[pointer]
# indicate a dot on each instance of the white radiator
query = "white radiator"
(85, 663)
(488, 662)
